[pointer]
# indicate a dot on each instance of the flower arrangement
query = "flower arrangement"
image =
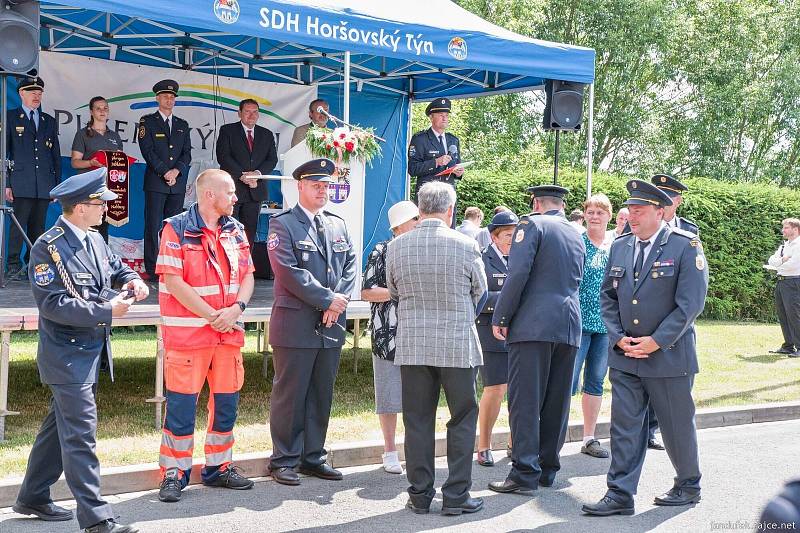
(342, 144)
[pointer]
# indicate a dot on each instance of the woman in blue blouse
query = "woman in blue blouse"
(594, 339)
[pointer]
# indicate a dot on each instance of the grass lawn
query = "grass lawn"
(736, 369)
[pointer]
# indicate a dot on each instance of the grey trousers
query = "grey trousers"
(300, 405)
(421, 387)
(787, 304)
(66, 443)
(671, 398)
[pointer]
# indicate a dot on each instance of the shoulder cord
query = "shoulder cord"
(62, 272)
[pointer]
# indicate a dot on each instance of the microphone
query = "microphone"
(321, 110)
(452, 150)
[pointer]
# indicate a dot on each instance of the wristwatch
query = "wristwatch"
(242, 305)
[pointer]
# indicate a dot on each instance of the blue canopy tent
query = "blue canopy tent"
(369, 59)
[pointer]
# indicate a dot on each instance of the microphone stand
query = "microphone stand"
(343, 123)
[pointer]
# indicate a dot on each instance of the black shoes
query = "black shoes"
(415, 509)
(48, 512)
(485, 458)
(508, 486)
(607, 507)
(109, 526)
(230, 478)
(784, 351)
(678, 496)
(654, 444)
(170, 488)
(323, 471)
(285, 476)
(471, 505)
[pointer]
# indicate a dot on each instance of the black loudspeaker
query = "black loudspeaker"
(261, 261)
(19, 37)
(563, 109)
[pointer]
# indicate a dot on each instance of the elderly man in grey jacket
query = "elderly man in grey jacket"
(436, 274)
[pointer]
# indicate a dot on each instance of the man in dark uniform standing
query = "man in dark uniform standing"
(538, 314)
(315, 270)
(73, 274)
(167, 150)
(433, 150)
(32, 138)
(654, 289)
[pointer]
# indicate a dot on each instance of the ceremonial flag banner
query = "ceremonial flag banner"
(118, 165)
(205, 101)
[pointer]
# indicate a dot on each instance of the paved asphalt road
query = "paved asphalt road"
(742, 467)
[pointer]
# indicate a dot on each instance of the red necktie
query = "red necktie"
(250, 140)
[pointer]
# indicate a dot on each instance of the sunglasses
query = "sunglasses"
(318, 329)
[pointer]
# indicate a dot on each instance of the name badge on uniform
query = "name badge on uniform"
(82, 278)
(160, 135)
(500, 278)
(20, 130)
(340, 245)
(616, 272)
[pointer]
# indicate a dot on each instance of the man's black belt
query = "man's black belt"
(780, 278)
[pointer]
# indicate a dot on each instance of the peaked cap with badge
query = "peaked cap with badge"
(86, 186)
(315, 170)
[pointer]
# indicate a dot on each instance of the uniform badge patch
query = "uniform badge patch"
(174, 245)
(700, 262)
(520, 235)
(141, 131)
(43, 274)
(412, 151)
(272, 241)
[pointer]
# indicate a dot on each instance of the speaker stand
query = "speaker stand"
(555, 158)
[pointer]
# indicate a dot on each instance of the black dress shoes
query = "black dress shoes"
(471, 505)
(49, 512)
(678, 496)
(654, 444)
(323, 471)
(417, 510)
(607, 507)
(485, 458)
(285, 476)
(782, 350)
(508, 486)
(109, 526)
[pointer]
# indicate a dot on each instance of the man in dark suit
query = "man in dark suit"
(167, 150)
(246, 151)
(654, 289)
(32, 138)
(538, 314)
(433, 150)
(315, 272)
(74, 273)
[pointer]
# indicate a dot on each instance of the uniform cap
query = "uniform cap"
(31, 83)
(669, 185)
(402, 212)
(82, 187)
(548, 190)
(641, 192)
(166, 86)
(438, 105)
(315, 170)
(503, 218)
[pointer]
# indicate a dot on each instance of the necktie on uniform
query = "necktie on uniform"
(33, 120)
(166, 126)
(321, 233)
(637, 267)
(90, 251)
(505, 258)
(250, 140)
(444, 144)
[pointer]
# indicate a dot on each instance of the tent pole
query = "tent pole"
(590, 142)
(347, 86)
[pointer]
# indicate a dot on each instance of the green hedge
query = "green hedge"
(739, 226)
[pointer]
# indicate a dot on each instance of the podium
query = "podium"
(346, 199)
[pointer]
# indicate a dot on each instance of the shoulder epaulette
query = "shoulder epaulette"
(683, 233)
(93, 229)
(52, 234)
(328, 213)
(623, 234)
(276, 215)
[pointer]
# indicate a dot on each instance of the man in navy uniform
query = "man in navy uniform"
(32, 138)
(433, 150)
(167, 150)
(74, 274)
(538, 314)
(654, 289)
(315, 270)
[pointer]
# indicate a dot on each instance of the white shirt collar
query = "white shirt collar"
(652, 240)
(246, 129)
(165, 117)
(308, 213)
(77, 231)
(499, 253)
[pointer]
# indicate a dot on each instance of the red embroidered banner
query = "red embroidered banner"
(118, 165)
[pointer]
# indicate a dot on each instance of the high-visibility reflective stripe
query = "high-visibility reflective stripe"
(218, 438)
(184, 321)
(233, 288)
(170, 261)
(177, 443)
(166, 462)
(208, 290)
(214, 459)
(169, 452)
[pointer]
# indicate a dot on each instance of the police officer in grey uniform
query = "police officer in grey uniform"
(315, 270)
(654, 289)
(433, 150)
(74, 274)
(167, 150)
(538, 313)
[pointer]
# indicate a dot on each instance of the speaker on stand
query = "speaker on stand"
(563, 111)
(19, 55)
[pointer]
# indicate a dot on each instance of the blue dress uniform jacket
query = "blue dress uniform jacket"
(540, 297)
(164, 152)
(306, 277)
(664, 303)
(74, 332)
(496, 272)
(36, 155)
(422, 153)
